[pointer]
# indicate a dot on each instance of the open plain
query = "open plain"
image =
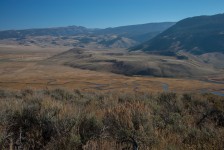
(25, 67)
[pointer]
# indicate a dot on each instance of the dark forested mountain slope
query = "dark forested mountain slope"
(197, 35)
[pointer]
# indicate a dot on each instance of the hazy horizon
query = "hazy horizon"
(26, 14)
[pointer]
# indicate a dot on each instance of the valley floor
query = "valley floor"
(22, 67)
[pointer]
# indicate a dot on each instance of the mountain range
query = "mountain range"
(196, 35)
(78, 36)
(59, 31)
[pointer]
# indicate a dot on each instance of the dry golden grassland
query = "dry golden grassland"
(22, 67)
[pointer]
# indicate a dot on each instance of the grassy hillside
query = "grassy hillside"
(127, 63)
(197, 35)
(61, 119)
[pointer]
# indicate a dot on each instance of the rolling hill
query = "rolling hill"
(133, 63)
(196, 35)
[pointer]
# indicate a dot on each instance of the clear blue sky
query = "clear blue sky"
(21, 14)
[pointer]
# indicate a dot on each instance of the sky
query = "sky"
(24, 14)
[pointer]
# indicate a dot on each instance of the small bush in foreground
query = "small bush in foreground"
(74, 120)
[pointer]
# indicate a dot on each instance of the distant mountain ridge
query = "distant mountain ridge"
(57, 31)
(138, 32)
(197, 35)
